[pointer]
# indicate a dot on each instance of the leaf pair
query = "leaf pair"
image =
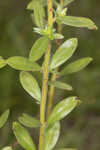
(64, 52)
(61, 110)
(52, 130)
(24, 64)
(52, 133)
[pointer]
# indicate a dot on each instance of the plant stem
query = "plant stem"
(53, 78)
(62, 2)
(45, 81)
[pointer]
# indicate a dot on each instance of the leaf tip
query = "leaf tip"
(75, 40)
(90, 59)
(95, 27)
(78, 100)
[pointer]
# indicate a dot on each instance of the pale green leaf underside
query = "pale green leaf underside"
(52, 133)
(23, 137)
(76, 66)
(61, 85)
(30, 84)
(22, 63)
(29, 121)
(7, 148)
(64, 52)
(77, 22)
(62, 109)
(39, 48)
(2, 62)
(3, 118)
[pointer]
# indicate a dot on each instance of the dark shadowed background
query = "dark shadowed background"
(81, 129)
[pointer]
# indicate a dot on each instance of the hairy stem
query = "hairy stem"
(53, 78)
(45, 81)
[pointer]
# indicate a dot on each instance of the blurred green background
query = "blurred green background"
(81, 128)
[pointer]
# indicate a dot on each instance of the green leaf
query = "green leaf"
(67, 2)
(39, 49)
(2, 62)
(61, 85)
(81, 22)
(22, 63)
(4, 117)
(30, 84)
(29, 121)
(64, 52)
(7, 148)
(62, 109)
(30, 5)
(76, 66)
(23, 137)
(51, 136)
(39, 14)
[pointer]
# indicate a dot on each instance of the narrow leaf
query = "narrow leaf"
(64, 52)
(62, 109)
(7, 148)
(22, 63)
(61, 85)
(81, 22)
(30, 84)
(23, 137)
(39, 48)
(29, 121)
(67, 2)
(39, 14)
(3, 118)
(2, 62)
(51, 136)
(76, 66)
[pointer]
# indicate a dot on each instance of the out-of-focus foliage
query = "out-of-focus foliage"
(16, 38)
